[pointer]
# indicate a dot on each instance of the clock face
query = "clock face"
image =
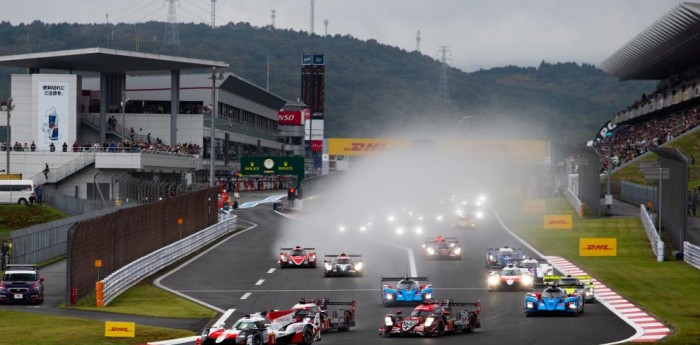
(269, 163)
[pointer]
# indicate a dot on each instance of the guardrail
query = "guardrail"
(129, 275)
(574, 201)
(657, 246)
(691, 254)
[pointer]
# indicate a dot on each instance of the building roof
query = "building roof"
(669, 45)
(106, 60)
(241, 87)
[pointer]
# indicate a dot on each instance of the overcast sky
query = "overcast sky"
(479, 33)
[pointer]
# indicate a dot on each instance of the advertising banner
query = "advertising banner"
(52, 112)
(316, 145)
(293, 165)
(290, 118)
(559, 221)
(535, 206)
(120, 329)
(597, 247)
(364, 146)
(515, 151)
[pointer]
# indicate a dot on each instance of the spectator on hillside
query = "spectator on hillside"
(33, 146)
(52, 147)
(76, 147)
(46, 171)
(65, 147)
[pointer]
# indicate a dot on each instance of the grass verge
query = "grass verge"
(13, 217)
(666, 289)
(30, 328)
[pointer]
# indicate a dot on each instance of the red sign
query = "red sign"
(316, 145)
(290, 118)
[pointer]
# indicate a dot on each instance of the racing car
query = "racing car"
(21, 283)
(538, 270)
(343, 265)
(553, 300)
(433, 318)
(297, 257)
(439, 247)
(510, 277)
(504, 256)
(338, 320)
(276, 327)
(407, 291)
(581, 284)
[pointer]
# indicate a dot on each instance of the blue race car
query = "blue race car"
(407, 291)
(504, 256)
(553, 300)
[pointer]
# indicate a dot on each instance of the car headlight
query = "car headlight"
(283, 257)
(428, 295)
(527, 280)
(429, 321)
(389, 296)
(341, 228)
(493, 280)
(329, 266)
(438, 218)
(36, 287)
(572, 305)
(388, 321)
(458, 250)
(358, 266)
(431, 251)
(480, 215)
(530, 305)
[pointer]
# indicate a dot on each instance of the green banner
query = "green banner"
(293, 165)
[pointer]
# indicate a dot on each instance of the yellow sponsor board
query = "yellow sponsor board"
(512, 151)
(597, 247)
(120, 329)
(558, 221)
(364, 146)
(535, 206)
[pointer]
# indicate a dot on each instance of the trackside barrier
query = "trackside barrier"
(129, 275)
(691, 254)
(574, 201)
(189, 340)
(657, 246)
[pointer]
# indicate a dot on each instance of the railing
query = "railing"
(129, 275)
(94, 120)
(574, 201)
(691, 254)
(657, 246)
(57, 174)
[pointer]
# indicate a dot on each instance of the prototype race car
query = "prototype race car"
(338, 320)
(504, 256)
(21, 283)
(581, 284)
(276, 327)
(553, 300)
(343, 265)
(433, 318)
(439, 247)
(297, 257)
(538, 270)
(407, 291)
(511, 277)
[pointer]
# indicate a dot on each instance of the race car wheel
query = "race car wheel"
(346, 324)
(471, 325)
(307, 336)
(257, 339)
(440, 329)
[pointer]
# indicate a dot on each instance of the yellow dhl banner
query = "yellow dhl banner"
(535, 206)
(120, 329)
(520, 151)
(558, 221)
(364, 146)
(597, 247)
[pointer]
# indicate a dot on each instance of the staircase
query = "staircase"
(93, 121)
(85, 159)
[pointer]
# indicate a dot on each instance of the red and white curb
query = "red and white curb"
(649, 329)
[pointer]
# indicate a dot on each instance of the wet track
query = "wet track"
(242, 273)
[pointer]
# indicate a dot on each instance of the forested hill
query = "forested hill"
(371, 88)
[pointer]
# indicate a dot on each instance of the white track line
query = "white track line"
(259, 282)
(411, 257)
(270, 270)
(246, 295)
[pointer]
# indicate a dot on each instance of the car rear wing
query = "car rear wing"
(452, 303)
(337, 255)
(395, 279)
(18, 267)
(323, 303)
(287, 249)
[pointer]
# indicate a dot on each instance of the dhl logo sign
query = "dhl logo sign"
(560, 221)
(363, 147)
(534, 206)
(597, 247)
(120, 329)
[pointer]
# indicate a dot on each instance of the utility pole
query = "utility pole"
(418, 41)
(311, 29)
(216, 74)
(7, 106)
(123, 104)
(273, 15)
(213, 13)
(325, 24)
(171, 34)
(443, 90)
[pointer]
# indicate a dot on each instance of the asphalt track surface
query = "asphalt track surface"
(242, 273)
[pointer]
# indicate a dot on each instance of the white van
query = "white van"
(16, 191)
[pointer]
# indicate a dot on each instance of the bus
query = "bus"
(16, 191)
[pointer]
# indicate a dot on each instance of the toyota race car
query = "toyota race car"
(510, 277)
(275, 327)
(581, 284)
(338, 320)
(433, 318)
(504, 256)
(538, 270)
(21, 283)
(407, 291)
(343, 265)
(553, 300)
(439, 247)
(297, 257)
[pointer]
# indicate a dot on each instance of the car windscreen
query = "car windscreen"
(423, 313)
(407, 285)
(244, 325)
(509, 272)
(553, 293)
(568, 281)
(15, 277)
(297, 253)
(343, 261)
